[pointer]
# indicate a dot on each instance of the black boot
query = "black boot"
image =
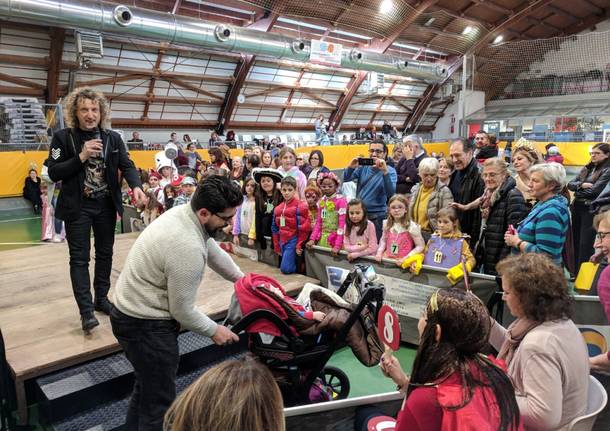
(103, 305)
(88, 322)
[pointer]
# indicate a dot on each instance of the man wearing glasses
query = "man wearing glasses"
(376, 183)
(156, 294)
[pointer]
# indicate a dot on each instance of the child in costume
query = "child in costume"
(267, 197)
(447, 248)
(290, 226)
(312, 196)
(245, 212)
(332, 209)
(401, 236)
(360, 238)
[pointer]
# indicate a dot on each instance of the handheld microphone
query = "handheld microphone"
(98, 135)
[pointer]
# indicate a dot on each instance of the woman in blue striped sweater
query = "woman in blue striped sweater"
(544, 229)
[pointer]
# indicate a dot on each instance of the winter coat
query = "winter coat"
(440, 198)
(291, 227)
(597, 175)
(470, 188)
(407, 177)
(509, 208)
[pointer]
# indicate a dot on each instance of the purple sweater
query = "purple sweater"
(603, 290)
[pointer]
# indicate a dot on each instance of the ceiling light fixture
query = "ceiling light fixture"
(467, 30)
(429, 22)
(499, 38)
(386, 6)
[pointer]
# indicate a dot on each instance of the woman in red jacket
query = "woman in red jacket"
(453, 387)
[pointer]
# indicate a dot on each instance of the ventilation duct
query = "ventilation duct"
(164, 27)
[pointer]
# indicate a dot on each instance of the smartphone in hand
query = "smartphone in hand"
(366, 161)
(512, 230)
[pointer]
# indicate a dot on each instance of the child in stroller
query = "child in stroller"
(295, 339)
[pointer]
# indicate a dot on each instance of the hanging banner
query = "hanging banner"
(326, 53)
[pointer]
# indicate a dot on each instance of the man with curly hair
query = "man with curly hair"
(86, 157)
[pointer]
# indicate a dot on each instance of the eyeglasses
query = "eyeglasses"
(375, 151)
(601, 235)
(226, 219)
(490, 174)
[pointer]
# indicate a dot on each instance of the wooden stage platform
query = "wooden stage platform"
(39, 318)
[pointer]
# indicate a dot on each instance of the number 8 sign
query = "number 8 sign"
(388, 327)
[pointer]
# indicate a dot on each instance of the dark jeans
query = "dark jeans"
(152, 348)
(584, 234)
(99, 215)
(377, 220)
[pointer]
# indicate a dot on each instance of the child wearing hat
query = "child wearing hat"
(267, 197)
(187, 186)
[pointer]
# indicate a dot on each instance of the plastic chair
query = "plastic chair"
(597, 398)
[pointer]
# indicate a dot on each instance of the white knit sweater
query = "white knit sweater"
(165, 267)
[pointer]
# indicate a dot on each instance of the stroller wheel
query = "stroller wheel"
(336, 381)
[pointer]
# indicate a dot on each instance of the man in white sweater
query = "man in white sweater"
(156, 292)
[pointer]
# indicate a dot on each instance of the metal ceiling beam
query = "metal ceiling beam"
(517, 15)
(239, 75)
(151, 85)
(21, 82)
(197, 89)
(56, 51)
(22, 91)
(289, 99)
(380, 46)
(381, 102)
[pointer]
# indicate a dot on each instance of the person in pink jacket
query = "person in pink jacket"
(360, 238)
(332, 209)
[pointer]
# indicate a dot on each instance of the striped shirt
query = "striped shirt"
(544, 229)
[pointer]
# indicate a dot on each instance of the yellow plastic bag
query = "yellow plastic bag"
(586, 275)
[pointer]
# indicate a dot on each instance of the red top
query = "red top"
(428, 408)
(286, 230)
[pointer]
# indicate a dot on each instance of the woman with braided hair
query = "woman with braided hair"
(453, 386)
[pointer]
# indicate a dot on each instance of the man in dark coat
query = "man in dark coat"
(466, 185)
(87, 158)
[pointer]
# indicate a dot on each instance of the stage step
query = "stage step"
(104, 381)
(110, 416)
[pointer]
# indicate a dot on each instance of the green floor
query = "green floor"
(19, 230)
(369, 381)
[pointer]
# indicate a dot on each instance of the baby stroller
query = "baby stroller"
(298, 358)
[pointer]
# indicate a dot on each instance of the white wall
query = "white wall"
(474, 100)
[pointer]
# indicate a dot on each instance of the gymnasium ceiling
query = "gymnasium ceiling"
(154, 85)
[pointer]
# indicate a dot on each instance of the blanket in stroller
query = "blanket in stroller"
(256, 291)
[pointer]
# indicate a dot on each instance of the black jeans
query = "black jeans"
(152, 348)
(99, 215)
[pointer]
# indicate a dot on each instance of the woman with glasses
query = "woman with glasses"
(502, 205)
(545, 353)
(316, 161)
(545, 227)
(587, 186)
(428, 197)
(601, 222)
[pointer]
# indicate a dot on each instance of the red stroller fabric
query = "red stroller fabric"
(252, 297)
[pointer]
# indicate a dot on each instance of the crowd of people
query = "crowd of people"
(469, 209)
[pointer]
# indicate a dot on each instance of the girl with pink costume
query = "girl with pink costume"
(401, 236)
(360, 238)
(52, 229)
(332, 209)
